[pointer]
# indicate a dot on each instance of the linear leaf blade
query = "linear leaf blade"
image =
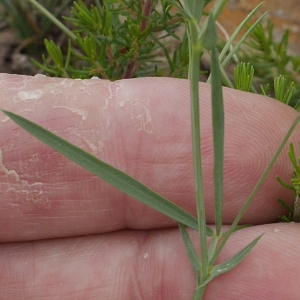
(190, 249)
(241, 40)
(218, 137)
(113, 176)
(232, 262)
(237, 31)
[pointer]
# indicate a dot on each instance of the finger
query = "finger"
(149, 265)
(269, 270)
(142, 127)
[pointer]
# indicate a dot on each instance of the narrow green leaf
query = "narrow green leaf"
(241, 40)
(293, 159)
(297, 105)
(237, 31)
(113, 176)
(218, 8)
(225, 78)
(256, 188)
(235, 259)
(209, 38)
(287, 186)
(229, 43)
(194, 60)
(209, 231)
(53, 19)
(190, 249)
(212, 246)
(218, 137)
(197, 9)
(286, 206)
(231, 262)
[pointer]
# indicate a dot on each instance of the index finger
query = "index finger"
(142, 127)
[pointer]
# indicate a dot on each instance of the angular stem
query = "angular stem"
(195, 52)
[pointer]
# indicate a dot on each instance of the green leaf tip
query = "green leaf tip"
(232, 262)
(210, 37)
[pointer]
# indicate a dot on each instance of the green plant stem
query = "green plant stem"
(199, 293)
(59, 24)
(195, 52)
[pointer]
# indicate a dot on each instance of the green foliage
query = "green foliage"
(243, 76)
(272, 59)
(116, 40)
(283, 92)
(229, 50)
(29, 24)
(283, 89)
(293, 212)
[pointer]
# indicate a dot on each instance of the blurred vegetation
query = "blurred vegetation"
(272, 59)
(29, 24)
(114, 39)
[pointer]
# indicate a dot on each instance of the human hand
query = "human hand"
(67, 235)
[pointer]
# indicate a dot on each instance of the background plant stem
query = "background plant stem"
(55, 21)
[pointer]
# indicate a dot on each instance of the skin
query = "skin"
(67, 235)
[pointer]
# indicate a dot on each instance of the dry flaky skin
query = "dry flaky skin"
(141, 126)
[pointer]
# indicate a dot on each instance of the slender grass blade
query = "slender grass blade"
(218, 137)
(190, 249)
(237, 31)
(231, 262)
(113, 176)
(256, 188)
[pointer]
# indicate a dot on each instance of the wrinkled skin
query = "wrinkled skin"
(65, 234)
